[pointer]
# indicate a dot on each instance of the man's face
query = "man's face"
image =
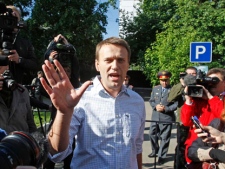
(217, 89)
(164, 82)
(191, 72)
(113, 65)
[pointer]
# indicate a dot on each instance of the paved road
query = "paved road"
(150, 162)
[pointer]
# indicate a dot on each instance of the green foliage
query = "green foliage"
(192, 22)
(23, 5)
(45, 118)
(81, 21)
(141, 31)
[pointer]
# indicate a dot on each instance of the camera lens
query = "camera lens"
(10, 84)
(18, 148)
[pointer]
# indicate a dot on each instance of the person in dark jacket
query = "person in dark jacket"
(21, 58)
(16, 114)
(162, 110)
(72, 61)
(71, 67)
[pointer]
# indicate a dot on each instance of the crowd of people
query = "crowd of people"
(101, 123)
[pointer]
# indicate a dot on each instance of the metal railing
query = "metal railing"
(177, 124)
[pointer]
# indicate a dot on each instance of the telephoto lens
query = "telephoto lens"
(17, 149)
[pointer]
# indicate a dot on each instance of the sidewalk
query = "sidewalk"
(149, 162)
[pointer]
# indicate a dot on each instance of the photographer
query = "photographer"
(15, 105)
(71, 67)
(22, 58)
(206, 108)
(69, 57)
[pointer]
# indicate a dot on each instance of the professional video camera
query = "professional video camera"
(65, 52)
(182, 74)
(8, 23)
(21, 148)
(201, 79)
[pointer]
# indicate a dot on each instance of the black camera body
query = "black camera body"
(200, 79)
(8, 23)
(65, 53)
(182, 75)
(8, 81)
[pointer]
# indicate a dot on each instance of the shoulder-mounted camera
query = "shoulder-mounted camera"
(200, 79)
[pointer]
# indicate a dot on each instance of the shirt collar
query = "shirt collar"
(100, 88)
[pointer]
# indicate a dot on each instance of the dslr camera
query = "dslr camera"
(200, 79)
(8, 23)
(65, 52)
(8, 81)
(21, 148)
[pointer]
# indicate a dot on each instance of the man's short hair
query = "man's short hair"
(217, 70)
(112, 41)
(191, 68)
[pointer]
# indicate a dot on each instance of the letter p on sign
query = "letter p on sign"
(201, 52)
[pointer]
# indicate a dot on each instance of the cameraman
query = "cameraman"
(176, 93)
(206, 108)
(15, 106)
(73, 61)
(71, 67)
(22, 58)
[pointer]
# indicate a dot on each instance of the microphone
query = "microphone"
(44, 147)
(189, 80)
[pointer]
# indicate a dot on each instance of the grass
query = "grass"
(45, 117)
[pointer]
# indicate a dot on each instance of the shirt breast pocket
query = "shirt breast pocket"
(127, 124)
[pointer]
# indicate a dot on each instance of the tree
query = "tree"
(141, 31)
(23, 5)
(82, 22)
(193, 21)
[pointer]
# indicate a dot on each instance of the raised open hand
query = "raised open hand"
(62, 93)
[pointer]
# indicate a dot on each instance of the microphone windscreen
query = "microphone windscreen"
(189, 80)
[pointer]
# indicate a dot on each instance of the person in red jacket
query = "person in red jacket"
(206, 108)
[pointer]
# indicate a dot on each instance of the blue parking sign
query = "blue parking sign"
(201, 52)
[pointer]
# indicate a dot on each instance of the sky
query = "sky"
(112, 28)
